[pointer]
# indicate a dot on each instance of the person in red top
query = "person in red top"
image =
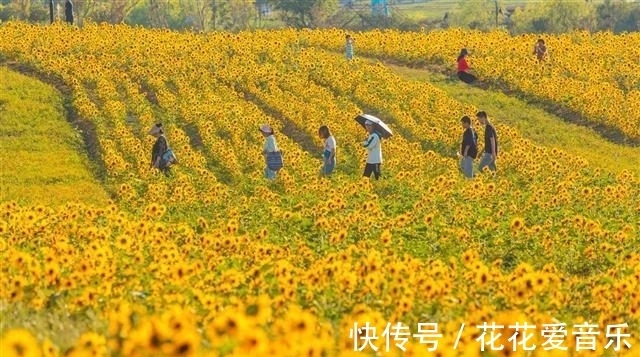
(463, 68)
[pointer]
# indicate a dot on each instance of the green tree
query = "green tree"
(84, 9)
(104, 11)
(240, 14)
(119, 10)
(158, 13)
(161, 14)
(554, 16)
(27, 10)
(629, 21)
(195, 14)
(305, 13)
(618, 16)
(221, 14)
(17, 9)
(477, 14)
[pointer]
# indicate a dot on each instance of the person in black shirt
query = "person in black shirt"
(68, 12)
(490, 143)
(468, 148)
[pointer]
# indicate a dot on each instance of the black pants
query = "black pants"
(466, 77)
(164, 168)
(372, 168)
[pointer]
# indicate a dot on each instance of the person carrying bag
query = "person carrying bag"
(273, 155)
(162, 156)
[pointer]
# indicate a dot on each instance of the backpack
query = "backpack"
(274, 160)
(169, 157)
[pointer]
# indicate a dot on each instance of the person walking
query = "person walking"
(463, 68)
(68, 12)
(349, 47)
(468, 148)
(329, 153)
(160, 147)
(270, 145)
(373, 144)
(490, 154)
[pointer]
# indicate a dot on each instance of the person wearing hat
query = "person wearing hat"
(159, 148)
(270, 145)
(374, 151)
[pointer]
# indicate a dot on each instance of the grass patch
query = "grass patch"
(43, 159)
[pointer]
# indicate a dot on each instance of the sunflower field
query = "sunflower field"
(215, 260)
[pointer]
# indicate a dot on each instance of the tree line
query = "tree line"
(549, 16)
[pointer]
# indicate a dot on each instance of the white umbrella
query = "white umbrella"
(378, 124)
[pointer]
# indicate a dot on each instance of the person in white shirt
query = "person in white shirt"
(270, 145)
(373, 145)
(329, 153)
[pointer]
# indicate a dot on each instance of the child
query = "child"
(349, 47)
(329, 153)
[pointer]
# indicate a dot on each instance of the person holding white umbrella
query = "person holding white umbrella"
(373, 144)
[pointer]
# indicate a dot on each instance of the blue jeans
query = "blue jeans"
(327, 168)
(487, 160)
(466, 165)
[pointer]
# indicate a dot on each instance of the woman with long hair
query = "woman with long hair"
(329, 153)
(463, 68)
